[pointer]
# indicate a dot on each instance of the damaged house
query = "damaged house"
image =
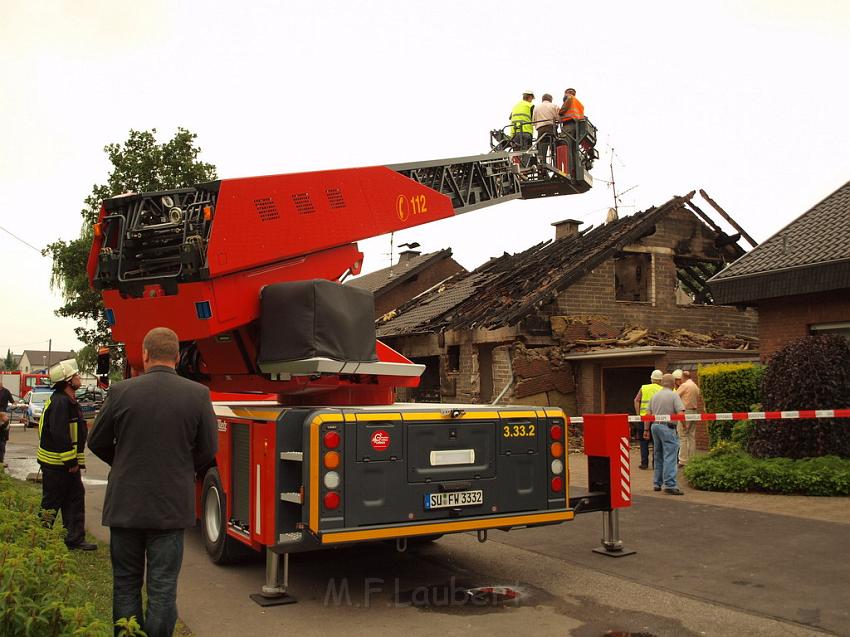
(411, 275)
(579, 322)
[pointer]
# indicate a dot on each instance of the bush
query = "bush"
(728, 387)
(809, 373)
(38, 578)
(728, 467)
(741, 432)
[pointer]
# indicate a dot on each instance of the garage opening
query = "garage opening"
(429, 383)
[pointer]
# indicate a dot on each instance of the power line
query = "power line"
(13, 235)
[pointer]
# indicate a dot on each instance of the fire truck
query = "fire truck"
(21, 384)
(313, 450)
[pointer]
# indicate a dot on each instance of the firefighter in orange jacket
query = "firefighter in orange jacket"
(571, 111)
(61, 443)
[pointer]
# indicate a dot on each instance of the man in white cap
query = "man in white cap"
(665, 402)
(642, 398)
(522, 117)
(61, 443)
(691, 396)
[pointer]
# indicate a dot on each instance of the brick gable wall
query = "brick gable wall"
(782, 320)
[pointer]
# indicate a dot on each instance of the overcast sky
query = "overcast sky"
(748, 100)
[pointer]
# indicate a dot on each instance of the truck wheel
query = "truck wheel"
(221, 548)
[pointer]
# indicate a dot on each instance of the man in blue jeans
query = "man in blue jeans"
(156, 431)
(665, 439)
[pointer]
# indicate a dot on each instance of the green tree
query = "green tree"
(140, 164)
(9, 361)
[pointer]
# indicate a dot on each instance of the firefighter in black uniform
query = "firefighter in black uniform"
(61, 442)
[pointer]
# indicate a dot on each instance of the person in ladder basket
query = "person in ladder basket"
(61, 444)
(571, 111)
(521, 117)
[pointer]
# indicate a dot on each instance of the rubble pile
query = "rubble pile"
(588, 332)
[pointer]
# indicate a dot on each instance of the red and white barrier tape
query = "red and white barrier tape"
(738, 415)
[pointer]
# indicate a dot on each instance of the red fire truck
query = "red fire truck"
(21, 384)
(313, 450)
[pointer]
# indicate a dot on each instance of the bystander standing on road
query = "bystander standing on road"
(665, 402)
(642, 398)
(61, 445)
(691, 397)
(156, 431)
(5, 401)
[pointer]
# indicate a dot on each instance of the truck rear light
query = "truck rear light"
(98, 230)
(331, 460)
(331, 439)
(556, 432)
(557, 467)
(556, 449)
(557, 484)
(331, 500)
(332, 480)
(207, 213)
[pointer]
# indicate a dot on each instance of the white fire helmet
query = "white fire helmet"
(63, 370)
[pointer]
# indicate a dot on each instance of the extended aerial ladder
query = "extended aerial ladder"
(202, 255)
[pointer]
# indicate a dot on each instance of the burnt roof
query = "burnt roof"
(507, 289)
(381, 281)
(810, 254)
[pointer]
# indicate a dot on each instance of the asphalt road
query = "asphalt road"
(700, 570)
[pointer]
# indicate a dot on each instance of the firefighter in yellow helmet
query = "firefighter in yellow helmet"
(61, 442)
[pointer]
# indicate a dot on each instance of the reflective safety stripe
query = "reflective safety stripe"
(58, 458)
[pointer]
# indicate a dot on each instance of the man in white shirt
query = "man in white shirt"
(545, 121)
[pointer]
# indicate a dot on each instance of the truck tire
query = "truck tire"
(221, 548)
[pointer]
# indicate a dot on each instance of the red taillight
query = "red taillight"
(557, 484)
(556, 432)
(331, 439)
(331, 500)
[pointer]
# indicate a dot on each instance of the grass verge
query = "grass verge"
(30, 549)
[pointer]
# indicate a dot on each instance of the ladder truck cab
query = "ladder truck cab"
(313, 450)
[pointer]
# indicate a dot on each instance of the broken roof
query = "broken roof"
(810, 254)
(381, 281)
(506, 289)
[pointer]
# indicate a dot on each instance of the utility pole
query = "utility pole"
(49, 350)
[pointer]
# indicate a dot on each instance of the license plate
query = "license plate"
(453, 499)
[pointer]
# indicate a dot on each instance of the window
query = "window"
(453, 356)
(832, 328)
(632, 274)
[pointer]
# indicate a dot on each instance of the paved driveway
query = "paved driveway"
(701, 569)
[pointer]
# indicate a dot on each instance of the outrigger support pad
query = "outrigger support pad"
(274, 590)
(612, 545)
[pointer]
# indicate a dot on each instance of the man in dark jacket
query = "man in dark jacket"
(61, 443)
(156, 431)
(5, 400)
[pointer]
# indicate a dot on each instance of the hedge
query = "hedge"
(812, 372)
(728, 467)
(40, 586)
(729, 387)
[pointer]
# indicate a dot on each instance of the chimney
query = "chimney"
(407, 255)
(566, 228)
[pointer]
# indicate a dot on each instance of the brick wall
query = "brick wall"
(781, 320)
(594, 294)
(425, 279)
